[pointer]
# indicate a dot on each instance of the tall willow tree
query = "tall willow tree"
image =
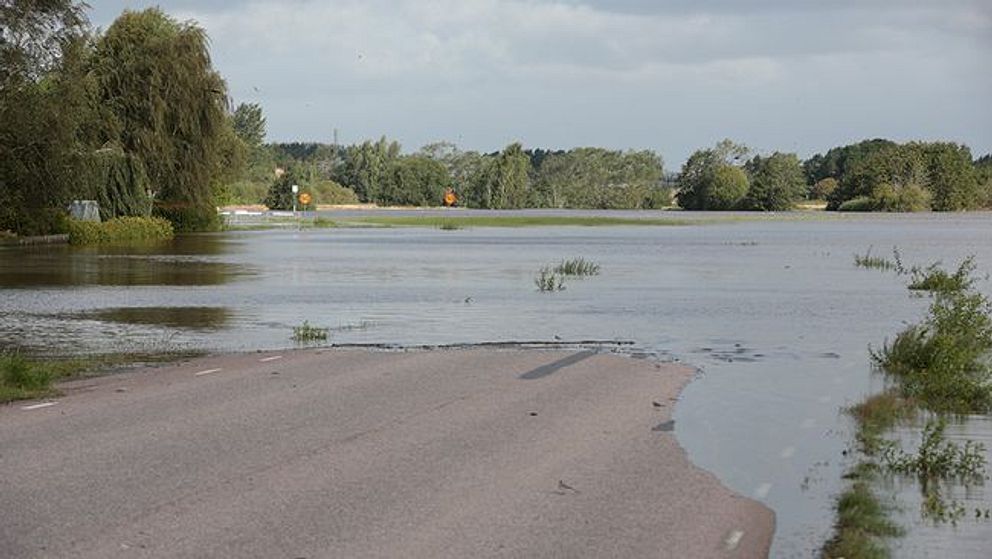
(169, 108)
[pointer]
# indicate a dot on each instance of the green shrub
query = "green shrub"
(308, 333)
(577, 267)
(907, 198)
(119, 230)
(332, 193)
(189, 217)
(859, 204)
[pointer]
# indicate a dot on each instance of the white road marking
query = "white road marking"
(207, 372)
(762, 491)
(733, 540)
(788, 452)
(38, 406)
(267, 359)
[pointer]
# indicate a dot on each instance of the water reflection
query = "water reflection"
(194, 318)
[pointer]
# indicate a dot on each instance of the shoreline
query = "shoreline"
(482, 388)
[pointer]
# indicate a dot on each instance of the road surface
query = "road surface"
(355, 453)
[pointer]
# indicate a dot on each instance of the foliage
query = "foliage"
(119, 230)
(862, 523)
(776, 182)
(249, 124)
(711, 179)
(859, 204)
(937, 457)
(599, 178)
(943, 362)
(577, 267)
(414, 181)
(280, 196)
(823, 189)
(503, 181)
(308, 333)
(933, 278)
(330, 192)
(366, 166)
(117, 181)
(21, 379)
(33, 36)
(870, 262)
(168, 106)
(548, 280)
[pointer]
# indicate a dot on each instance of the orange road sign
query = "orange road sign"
(305, 198)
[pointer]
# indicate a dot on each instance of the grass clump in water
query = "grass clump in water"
(935, 279)
(870, 262)
(578, 267)
(862, 522)
(307, 333)
(548, 280)
(938, 458)
(120, 230)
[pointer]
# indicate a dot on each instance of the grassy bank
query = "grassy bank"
(24, 378)
(119, 231)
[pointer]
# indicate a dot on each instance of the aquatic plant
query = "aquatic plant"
(935, 279)
(862, 522)
(548, 280)
(577, 267)
(870, 262)
(938, 458)
(307, 333)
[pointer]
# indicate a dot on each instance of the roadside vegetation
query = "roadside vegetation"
(120, 230)
(936, 370)
(24, 378)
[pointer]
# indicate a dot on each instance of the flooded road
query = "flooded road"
(773, 312)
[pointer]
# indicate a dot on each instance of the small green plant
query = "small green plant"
(548, 280)
(21, 378)
(934, 507)
(308, 333)
(870, 262)
(938, 458)
(937, 280)
(862, 522)
(577, 267)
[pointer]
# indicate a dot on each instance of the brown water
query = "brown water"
(773, 312)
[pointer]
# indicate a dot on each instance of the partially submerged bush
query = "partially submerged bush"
(548, 280)
(859, 204)
(577, 267)
(120, 230)
(938, 458)
(308, 333)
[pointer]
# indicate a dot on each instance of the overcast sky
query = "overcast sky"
(672, 76)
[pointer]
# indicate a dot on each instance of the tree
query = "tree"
(503, 181)
(366, 165)
(414, 181)
(156, 77)
(280, 196)
(249, 124)
(44, 103)
(951, 176)
(711, 179)
(776, 182)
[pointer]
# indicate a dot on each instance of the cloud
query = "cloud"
(672, 76)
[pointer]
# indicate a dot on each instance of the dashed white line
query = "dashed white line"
(733, 540)
(207, 372)
(762, 491)
(788, 452)
(38, 406)
(267, 359)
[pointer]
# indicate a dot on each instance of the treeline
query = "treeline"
(134, 117)
(378, 172)
(873, 175)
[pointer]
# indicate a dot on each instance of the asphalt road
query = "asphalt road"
(353, 453)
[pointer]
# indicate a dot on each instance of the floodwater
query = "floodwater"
(773, 312)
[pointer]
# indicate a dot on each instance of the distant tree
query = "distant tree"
(983, 176)
(366, 165)
(503, 183)
(836, 162)
(249, 124)
(776, 182)
(823, 189)
(711, 179)
(951, 176)
(414, 181)
(280, 196)
(176, 128)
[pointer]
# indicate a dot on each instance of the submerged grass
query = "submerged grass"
(548, 280)
(870, 262)
(308, 333)
(578, 267)
(863, 522)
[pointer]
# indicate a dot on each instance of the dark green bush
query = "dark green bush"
(859, 204)
(188, 217)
